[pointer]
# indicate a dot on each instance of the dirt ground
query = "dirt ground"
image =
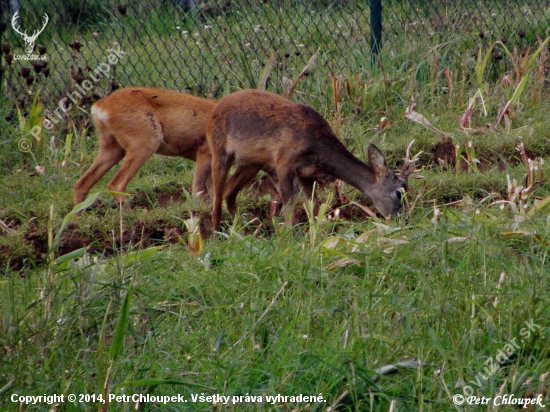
(158, 232)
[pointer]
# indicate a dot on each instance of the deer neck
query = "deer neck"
(343, 165)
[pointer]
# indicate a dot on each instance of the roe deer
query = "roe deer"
(136, 122)
(257, 129)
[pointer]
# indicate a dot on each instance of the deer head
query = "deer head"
(385, 188)
(30, 40)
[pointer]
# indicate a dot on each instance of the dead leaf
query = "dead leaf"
(368, 212)
(332, 242)
(456, 239)
(390, 369)
(418, 118)
(343, 263)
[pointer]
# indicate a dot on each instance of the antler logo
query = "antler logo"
(30, 40)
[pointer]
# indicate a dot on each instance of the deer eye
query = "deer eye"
(399, 193)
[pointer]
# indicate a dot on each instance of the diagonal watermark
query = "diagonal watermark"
(492, 365)
(72, 99)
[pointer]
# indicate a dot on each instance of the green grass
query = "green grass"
(262, 311)
(431, 297)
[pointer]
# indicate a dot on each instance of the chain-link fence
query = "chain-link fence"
(204, 46)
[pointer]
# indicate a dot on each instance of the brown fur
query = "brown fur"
(257, 129)
(136, 122)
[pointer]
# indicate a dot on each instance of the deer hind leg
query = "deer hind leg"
(243, 174)
(203, 172)
(130, 166)
(140, 139)
(110, 153)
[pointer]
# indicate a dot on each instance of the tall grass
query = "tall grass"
(448, 295)
(372, 315)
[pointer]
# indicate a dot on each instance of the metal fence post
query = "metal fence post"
(375, 28)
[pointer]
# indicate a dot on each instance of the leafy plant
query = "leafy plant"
(317, 216)
(118, 343)
(194, 238)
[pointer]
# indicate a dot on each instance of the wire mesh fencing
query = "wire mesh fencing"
(89, 48)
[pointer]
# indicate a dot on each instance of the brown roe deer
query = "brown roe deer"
(257, 129)
(134, 123)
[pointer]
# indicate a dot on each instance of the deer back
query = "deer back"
(262, 127)
(179, 120)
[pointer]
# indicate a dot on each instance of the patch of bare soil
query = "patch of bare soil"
(34, 239)
(164, 198)
(141, 233)
(444, 153)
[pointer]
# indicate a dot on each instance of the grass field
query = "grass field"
(356, 314)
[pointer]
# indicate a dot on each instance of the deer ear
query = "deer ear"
(377, 159)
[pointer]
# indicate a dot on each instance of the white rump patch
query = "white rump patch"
(99, 114)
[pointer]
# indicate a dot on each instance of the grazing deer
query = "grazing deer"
(257, 129)
(134, 123)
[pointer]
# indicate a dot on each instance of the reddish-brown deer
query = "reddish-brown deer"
(135, 123)
(257, 129)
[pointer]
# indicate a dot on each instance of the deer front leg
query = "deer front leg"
(307, 192)
(130, 166)
(307, 187)
(243, 174)
(221, 163)
(286, 188)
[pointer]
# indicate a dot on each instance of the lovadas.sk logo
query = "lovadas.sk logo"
(29, 40)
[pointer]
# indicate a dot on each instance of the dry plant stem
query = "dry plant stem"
(407, 170)
(446, 388)
(540, 74)
(449, 77)
(462, 86)
(120, 223)
(433, 77)
(416, 117)
(267, 69)
(50, 262)
(302, 73)
(419, 196)
(6, 228)
(336, 90)
(261, 317)
(340, 399)
(106, 388)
